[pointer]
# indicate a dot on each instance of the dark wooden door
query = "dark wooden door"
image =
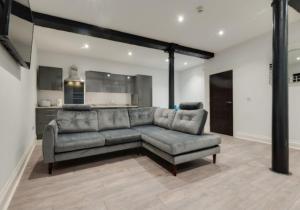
(221, 103)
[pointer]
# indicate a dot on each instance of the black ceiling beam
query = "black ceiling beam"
(295, 4)
(21, 11)
(63, 24)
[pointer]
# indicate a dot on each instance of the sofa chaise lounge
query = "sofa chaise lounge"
(175, 136)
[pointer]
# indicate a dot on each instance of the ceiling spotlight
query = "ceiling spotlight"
(130, 53)
(128, 77)
(298, 58)
(185, 63)
(180, 18)
(167, 60)
(108, 75)
(85, 46)
(221, 33)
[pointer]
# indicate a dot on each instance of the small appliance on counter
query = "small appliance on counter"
(59, 102)
(44, 103)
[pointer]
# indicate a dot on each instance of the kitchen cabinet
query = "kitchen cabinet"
(43, 117)
(143, 91)
(140, 86)
(49, 78)
(109, 83)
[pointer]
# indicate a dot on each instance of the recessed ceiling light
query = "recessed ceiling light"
(180, 18)
(128, 77)
(108, 75)
(167, 60)
(130, 53)
(298, 58)
(85, 46)
(185, 63)
(221, 33)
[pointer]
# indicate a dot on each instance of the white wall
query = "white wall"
(159, 77)
(17, 115)
(191, 85)
(252, 93)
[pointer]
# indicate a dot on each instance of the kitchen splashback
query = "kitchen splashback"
(51, 95)
(108, 98)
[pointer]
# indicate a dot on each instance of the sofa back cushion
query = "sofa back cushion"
(164, 117)
(141, 116)
(190, 121)
(109, 119)
(77, 121)
(191, 105)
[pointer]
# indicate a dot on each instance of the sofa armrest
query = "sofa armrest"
(49, 139)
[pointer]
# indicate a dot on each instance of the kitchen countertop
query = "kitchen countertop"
(94, 106)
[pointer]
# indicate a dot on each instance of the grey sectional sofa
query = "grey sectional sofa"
(174, 136)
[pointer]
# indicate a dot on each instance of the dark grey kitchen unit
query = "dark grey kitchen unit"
(49, 78)
(143, 91)
(43, 117)
(108, 83)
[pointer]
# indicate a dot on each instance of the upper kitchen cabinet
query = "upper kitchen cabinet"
(108, 83)
(49, 78)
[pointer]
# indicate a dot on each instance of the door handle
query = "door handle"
(228, 102)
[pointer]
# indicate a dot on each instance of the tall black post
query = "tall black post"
(280, 127)
(171, 78)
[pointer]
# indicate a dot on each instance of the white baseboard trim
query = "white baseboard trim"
(10, 187)
(294, 144)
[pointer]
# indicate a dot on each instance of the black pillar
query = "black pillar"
(280, 127)
(171, 78)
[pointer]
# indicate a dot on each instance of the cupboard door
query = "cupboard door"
(49, 78)
(144, 90)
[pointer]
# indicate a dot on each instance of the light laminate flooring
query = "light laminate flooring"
(241, 179)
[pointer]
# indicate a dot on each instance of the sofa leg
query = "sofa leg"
(174, 170)
(50, 168)
(214, 158)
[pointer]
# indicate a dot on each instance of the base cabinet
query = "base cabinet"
(43, 117)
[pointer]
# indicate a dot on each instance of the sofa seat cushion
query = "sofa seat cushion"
(190, 121)
(77, 141)
(120, 136)
(175, 143)
(110, 119)
(148, 129)
(77, 121)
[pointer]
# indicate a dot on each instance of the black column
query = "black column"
(171, 78)
(280, 127)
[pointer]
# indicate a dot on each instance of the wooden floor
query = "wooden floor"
(241, 179)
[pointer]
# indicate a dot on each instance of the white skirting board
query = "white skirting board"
(294, 144)
(9, 188)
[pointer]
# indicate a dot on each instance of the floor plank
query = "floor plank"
(241, 179)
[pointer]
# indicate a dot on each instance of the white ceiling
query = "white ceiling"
(70, 43)
(240, 19)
